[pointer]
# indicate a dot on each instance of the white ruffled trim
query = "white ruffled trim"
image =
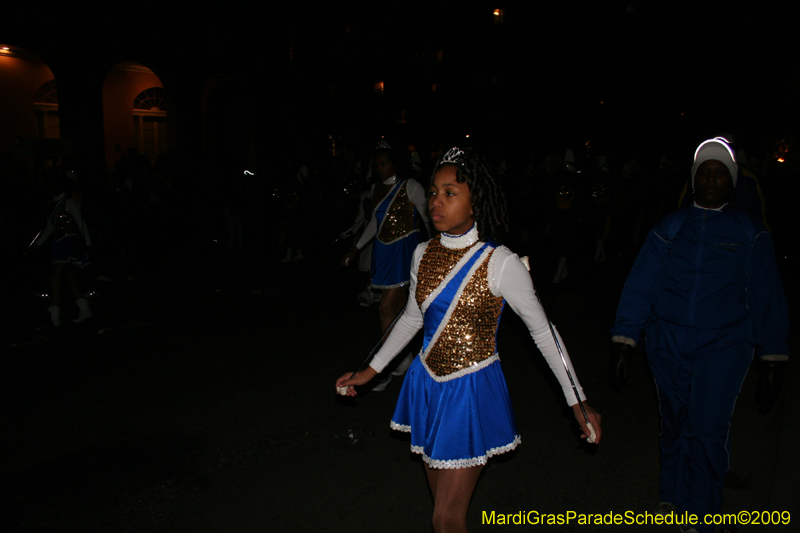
(492, 272)
(490, 275)
(466, 463)
(456, 242)
(400, 427)
(463, 372)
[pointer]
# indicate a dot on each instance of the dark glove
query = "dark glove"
(621, 355)
(769, 384)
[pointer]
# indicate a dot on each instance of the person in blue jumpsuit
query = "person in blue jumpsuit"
(706, 293)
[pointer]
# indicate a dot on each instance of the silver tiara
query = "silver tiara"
(453, 155)
(383, 145)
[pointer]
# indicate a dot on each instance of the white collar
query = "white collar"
(720, 208)
(460, 241)
(390, 180)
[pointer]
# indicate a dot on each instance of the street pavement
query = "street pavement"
(200, 398)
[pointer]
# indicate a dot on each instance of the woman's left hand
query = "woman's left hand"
(361, 377)
(594, 420)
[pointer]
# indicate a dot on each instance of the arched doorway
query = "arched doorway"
(150, 122)
(29, 122)
(134, 112)
(45, 107)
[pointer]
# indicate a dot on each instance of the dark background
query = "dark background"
(668, 74)
(200, 395)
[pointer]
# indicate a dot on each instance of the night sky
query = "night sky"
(669, 72)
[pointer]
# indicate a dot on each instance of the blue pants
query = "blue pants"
(699, 374)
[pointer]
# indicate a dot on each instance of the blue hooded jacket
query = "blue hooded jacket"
(707, 269)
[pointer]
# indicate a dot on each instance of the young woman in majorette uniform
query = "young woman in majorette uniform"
(70, 239)
(454, 399)
(399, 212)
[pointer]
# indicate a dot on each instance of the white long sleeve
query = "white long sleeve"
(369, 231)
(45, 233)
(510, 279)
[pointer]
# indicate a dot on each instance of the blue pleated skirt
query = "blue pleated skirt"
(458, 423)
(391, 263)
(69, 249)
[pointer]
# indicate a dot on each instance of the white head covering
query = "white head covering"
(716, 149)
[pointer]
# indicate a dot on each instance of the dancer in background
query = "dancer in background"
(399, 213)
(70, 239)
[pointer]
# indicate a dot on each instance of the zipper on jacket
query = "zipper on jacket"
(697, 263)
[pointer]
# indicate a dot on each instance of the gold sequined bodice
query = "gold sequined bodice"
(62, 224)
(399, 218)
(469, 335)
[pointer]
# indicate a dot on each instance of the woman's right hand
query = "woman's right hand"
(594, 419)
(361, 377)
(348, 258)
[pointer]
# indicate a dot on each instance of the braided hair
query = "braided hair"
(488, 201)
